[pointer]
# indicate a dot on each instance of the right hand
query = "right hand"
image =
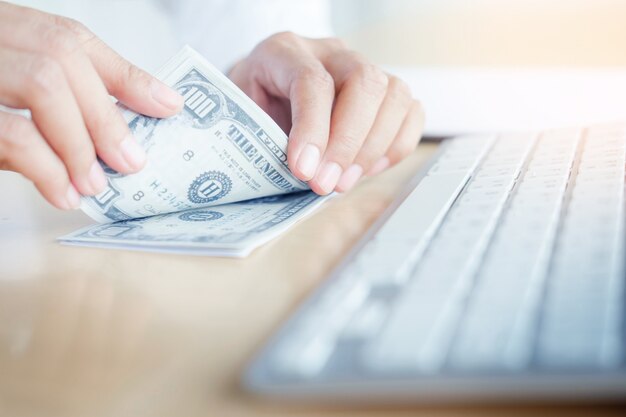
(63, 74)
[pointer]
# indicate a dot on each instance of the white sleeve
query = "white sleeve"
(226, 30)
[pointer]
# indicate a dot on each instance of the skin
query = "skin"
(345, 117)
(63, 74)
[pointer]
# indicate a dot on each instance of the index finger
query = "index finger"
(311, 94)
(296, 74)
(131, 85)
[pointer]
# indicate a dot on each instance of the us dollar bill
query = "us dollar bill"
(216, 182)
(227, 230)
(220, 148)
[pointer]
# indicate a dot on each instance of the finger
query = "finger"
(388, 121)
(312, 94)
(362, 88)
(107, 128)
(23, 150)
(103, 121)
(297, 74)
(133, 86)
(53, 34)
(39, 84)
(408, 136)
(65, 40)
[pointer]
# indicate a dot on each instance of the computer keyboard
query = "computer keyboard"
(499, 274)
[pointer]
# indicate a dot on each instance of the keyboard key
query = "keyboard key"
(423, 209)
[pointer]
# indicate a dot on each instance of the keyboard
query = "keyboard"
(499, 274)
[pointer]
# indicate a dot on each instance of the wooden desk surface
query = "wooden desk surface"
(94, 332)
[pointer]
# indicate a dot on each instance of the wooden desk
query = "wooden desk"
(93, 332)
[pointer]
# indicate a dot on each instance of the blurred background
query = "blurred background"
(495, 33)
(480, 33)
(476, 65)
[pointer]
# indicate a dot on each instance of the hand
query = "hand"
(63, 74)
(345, 116)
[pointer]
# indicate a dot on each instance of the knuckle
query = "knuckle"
(277, 44)
(80, 32)
(285, 37)
(59, 40)
(51, 183)
(345, 148)
(73, 26)
(335, 43)
(134, 74)
(371, 78)
(266, 46)
(317, 76)
(367, 157)
(44, 75)
(399, 91)
(78, 157)
(402, 150)
(15, 134)
(128, 75)
(103, 123)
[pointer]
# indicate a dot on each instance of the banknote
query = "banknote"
(221, 148)
(233, 229)
(216, 180)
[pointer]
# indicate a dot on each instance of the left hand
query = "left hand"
(345, 117)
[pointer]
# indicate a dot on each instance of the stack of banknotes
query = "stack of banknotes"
(216, 181)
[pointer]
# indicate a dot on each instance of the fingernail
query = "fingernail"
(133, 153)
(328, 176)
(308, 161)
(350, 177)
(165, 95)
(96, 178)
(381, 165)
(72, 197)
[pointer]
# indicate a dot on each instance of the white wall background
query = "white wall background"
(574, 33)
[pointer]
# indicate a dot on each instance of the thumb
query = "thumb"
(131, 85)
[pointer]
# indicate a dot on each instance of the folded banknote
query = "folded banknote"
(216, 181)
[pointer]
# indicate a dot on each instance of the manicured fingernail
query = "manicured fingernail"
(72, 197)
(96, 178)
(380, 166)
(133, 153)
(350, 177)
(328, 176)
(308, 161)
(165, 95)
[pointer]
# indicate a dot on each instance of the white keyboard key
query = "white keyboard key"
(313, 356)
(401, 342)
(366, 322)
(393, 262)
(392, 252)
(310, 347)
(462, 155)
(422, 211)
